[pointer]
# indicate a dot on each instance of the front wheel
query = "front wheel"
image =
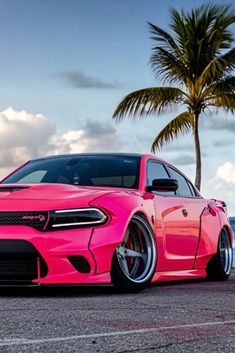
(219, 267)
(134, 260)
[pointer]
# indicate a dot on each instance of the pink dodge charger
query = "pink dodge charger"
(125, 219)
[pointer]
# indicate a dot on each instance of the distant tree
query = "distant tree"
(198, 58)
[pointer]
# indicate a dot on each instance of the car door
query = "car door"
(194, 205)
(176, 242)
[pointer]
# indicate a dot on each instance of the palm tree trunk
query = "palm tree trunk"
(197, 151)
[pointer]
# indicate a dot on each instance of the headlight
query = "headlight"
(80, 217)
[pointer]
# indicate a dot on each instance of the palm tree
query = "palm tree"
(198, 58)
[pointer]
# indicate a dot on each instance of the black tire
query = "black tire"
(134, 261)
(220, 265)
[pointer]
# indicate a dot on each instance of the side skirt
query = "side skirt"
(179, 275)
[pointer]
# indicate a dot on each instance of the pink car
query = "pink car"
(124, 219)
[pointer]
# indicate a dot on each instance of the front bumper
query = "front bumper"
(54, 249)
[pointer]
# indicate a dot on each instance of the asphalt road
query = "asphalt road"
(181, 317)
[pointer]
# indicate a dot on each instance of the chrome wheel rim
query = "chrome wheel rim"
(137, 253)
(226, 254)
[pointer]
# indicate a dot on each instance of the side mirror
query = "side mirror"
(163, 185)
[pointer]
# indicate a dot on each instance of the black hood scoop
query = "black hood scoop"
(12, 188)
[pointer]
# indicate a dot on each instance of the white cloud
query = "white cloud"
(222, 186)
(226, 172)
(24, 136)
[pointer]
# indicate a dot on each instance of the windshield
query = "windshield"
(93, 170)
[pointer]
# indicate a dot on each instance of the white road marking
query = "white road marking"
(22, 341)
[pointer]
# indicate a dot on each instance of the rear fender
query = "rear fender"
(213, 220)
(221, 207)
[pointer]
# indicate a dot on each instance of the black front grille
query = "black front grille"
(20, 261)
(18, 269)
(37, 220)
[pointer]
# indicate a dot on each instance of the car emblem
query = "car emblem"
(39, 218)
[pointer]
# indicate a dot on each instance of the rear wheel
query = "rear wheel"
(219, 267)
(134, 260)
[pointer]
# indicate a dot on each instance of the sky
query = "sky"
(64, 67)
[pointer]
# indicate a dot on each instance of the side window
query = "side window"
(193, 190)
(157, 170)
(183, 188)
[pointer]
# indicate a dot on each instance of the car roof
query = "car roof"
(121, 154)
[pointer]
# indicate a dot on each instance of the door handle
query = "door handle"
(185, 212)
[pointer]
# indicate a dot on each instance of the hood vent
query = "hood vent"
(12, 188)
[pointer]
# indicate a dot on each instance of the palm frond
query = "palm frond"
(218, 68)
(225, 101)
(168, 66)
(178, 126)
(222, 86)
(219, 36)
(178, 27)
(202, 34)
(165, 39)
(148, 101)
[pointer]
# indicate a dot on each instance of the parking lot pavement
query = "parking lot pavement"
(180, 317)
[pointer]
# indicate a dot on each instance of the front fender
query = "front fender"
(120, 207)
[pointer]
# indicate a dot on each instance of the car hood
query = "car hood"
(30, 197)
